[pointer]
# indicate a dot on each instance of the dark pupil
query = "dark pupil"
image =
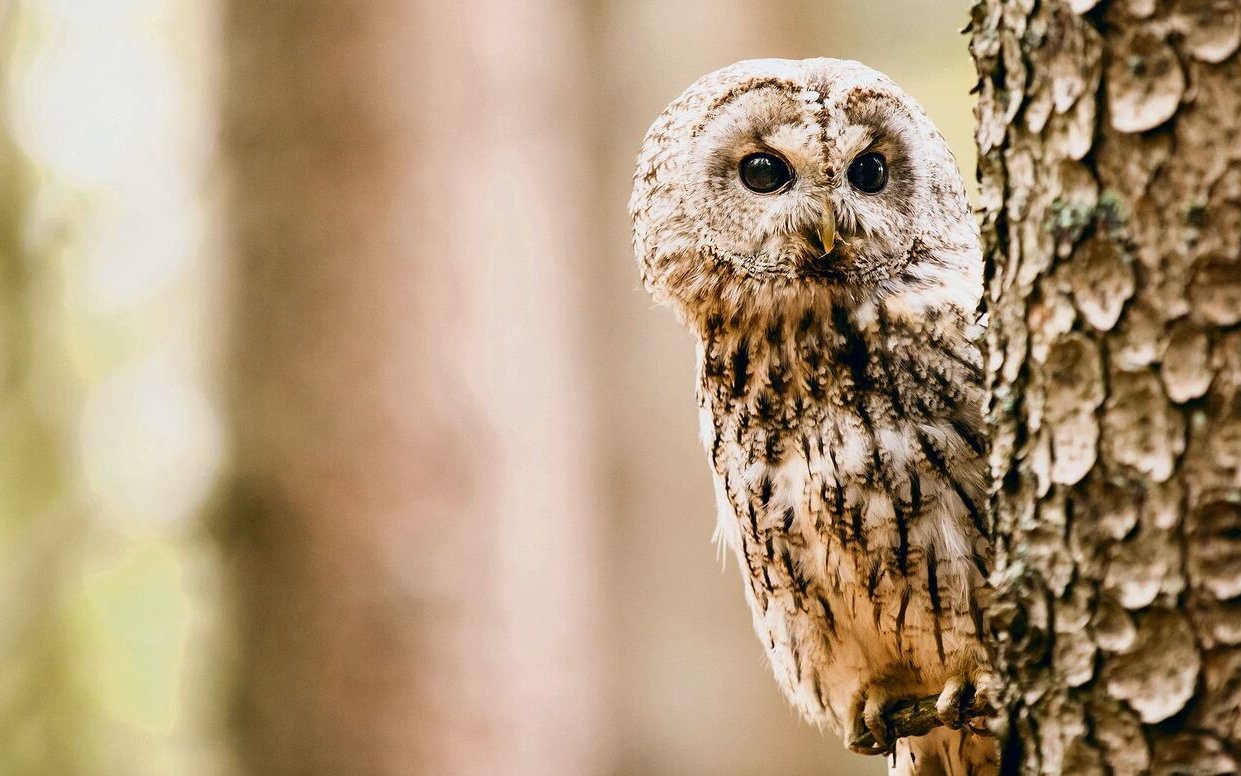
(869, 173)
(764, 173)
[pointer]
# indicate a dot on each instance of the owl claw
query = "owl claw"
(889, 709)
(872, 731)
(950, 706)
(964, 698)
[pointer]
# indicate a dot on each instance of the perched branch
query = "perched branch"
(911, 718)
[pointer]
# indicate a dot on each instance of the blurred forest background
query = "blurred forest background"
(338, 435)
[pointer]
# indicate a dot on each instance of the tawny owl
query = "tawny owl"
(808, 223)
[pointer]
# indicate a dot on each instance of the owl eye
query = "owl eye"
(869, 173)
(764, 173)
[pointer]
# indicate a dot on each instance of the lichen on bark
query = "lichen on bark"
(1110, 179)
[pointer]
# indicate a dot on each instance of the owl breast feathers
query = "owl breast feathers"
(808, 223)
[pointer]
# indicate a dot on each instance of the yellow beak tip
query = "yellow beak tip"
(827, 230)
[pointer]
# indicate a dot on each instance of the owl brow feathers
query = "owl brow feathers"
(780, 84)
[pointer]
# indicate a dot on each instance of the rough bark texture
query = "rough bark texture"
(1111, 181)
(413, 546)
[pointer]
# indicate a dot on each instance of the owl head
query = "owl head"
(776, 183)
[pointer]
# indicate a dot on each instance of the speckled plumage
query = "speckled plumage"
(840, 394)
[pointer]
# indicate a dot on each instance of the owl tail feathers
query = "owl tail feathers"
(945, 752)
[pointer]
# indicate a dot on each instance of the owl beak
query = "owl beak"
(827, 228)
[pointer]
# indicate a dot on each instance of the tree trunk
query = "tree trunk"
(413, 549)
(1111, 183)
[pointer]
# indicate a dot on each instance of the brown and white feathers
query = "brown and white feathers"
(808, 223)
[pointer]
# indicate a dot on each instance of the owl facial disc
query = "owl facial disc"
(772, 184)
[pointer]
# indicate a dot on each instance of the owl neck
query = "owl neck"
(780, 377)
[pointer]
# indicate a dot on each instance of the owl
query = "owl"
(809, 225)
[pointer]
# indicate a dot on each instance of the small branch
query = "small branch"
(912, 718)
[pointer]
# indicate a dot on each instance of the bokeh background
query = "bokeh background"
(338, 434)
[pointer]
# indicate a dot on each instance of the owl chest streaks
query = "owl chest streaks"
(847, 458)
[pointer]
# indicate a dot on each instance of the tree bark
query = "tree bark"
(413, 540)
(1111, 185)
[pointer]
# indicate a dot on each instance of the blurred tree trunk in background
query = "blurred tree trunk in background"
(1109, 136)
(416, 532)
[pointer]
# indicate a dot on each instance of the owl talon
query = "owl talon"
(950, 707)
(866, 741)
(880, 730)
(964, 698)
(872, 731)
